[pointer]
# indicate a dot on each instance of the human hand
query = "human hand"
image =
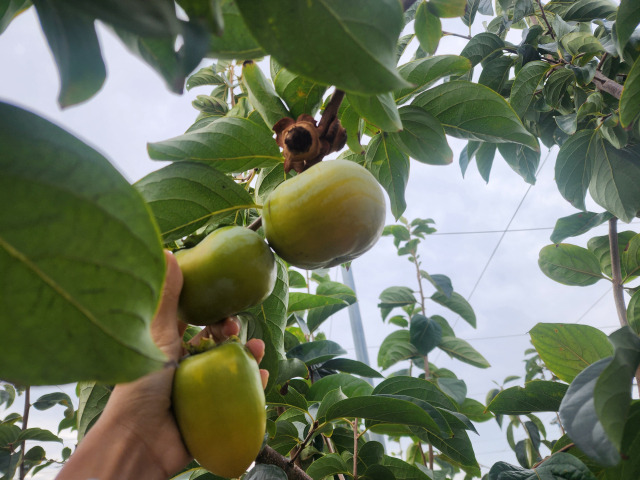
(136, 435)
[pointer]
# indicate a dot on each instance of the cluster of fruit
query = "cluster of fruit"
(328, 215)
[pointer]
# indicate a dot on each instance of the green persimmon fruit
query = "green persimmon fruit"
(219, 405)
(231, 270)
(330, 214)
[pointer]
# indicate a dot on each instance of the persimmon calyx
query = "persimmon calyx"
(302, 143)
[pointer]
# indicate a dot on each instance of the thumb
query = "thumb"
(165, 325)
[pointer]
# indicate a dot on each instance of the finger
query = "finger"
(164, 328)
(256, 347)
(218, 331)
(264, 376)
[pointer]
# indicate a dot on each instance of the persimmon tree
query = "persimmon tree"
(80, 240)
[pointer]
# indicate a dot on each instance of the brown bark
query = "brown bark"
(270, 457)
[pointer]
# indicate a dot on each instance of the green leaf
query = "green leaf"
(559, 466)
(536, 396)
(331, 398)
(395, 348)
(424, 72)
(403, 470)
(10, 9)
(425, 334)
(580, 420)
(185, 196)
(91, 402)
(351, 386)
(586, 10)
(475, 112)
(380, 110)
(463, 351)
(484, 159)
(263, 471)
(159, 52)
(37, 434)
(291, 368)
(300, 301)
(615, 179)
(292, 398)
(496, 72)
(567, 349)
(271, 317)
(482, 48)
(334, 290)
(300, 94)
(354, 367)
(390, 166)
(64, 284)
(205, 76)
(612, 394)
(475, 410)
(268, 179)
(229, 144)
(236, 41)
(422, 137)
(574, 166)
(428, 28)
(458, 304)
(49, 400)
(630, 98)
(327, 466)
(262, 94)
(523, 161)
(581, 43)
(570, 265)
(304, 38)
(633, 312)
(74, 44)
(393, 297)
(353, 124)
(319, 351)
(526, 84)
(455, 388)
(629, 467)
(383, 409)
(631, 257)
(556, 86)
(424, 390)
(577, 224)
(441, 282)
(447, 8)
(601, 249)
(627, 20)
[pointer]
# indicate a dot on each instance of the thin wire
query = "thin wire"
(493, 231)
(592, 306)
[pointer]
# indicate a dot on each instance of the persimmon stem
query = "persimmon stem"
(616, 272)
(331, 111)
(255, 225)
(25, 420)
(544, 18)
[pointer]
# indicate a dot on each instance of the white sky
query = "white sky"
(513, 295)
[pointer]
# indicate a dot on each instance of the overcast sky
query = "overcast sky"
(509, 298)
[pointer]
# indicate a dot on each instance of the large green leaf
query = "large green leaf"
(383, 409)
(425, 334)
(627, 20)
(422, 137)
(580, 420)
(77, 240)
(300, 301)
(424, 72)
(327, 466)
(395, 348)
(300, 94)
(582, 10)
(236, 41)
(379, 110)
(390, 166)
(522, 160)
(536, 396)
(458, 304)
(629, 467)
(354, 367)
(230, 144)
(447, 8)
(556, 467)
(574, 166)
(630, 98)
(526, 84)
(570, 264)
(463, 351)
(475, 112)
(600, 247)
(10, 9)
(74, 43)
(351, 45)
(92, 398)
(418, 388)
(316, 352)
(402, 470)
(556, 85)
(185, 196)
(577, 224)
(351, 386)
(615, 179)
(262, 94)
(631, 257)
(335, 290)
(496, 72)
(428, 28)
(568, 349)
(633, 312)
(612, 394)
(483, 47)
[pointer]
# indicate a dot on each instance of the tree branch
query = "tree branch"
(616, 273)
(330, 113)
(269, 456)
(605, 84)
(544, 18)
